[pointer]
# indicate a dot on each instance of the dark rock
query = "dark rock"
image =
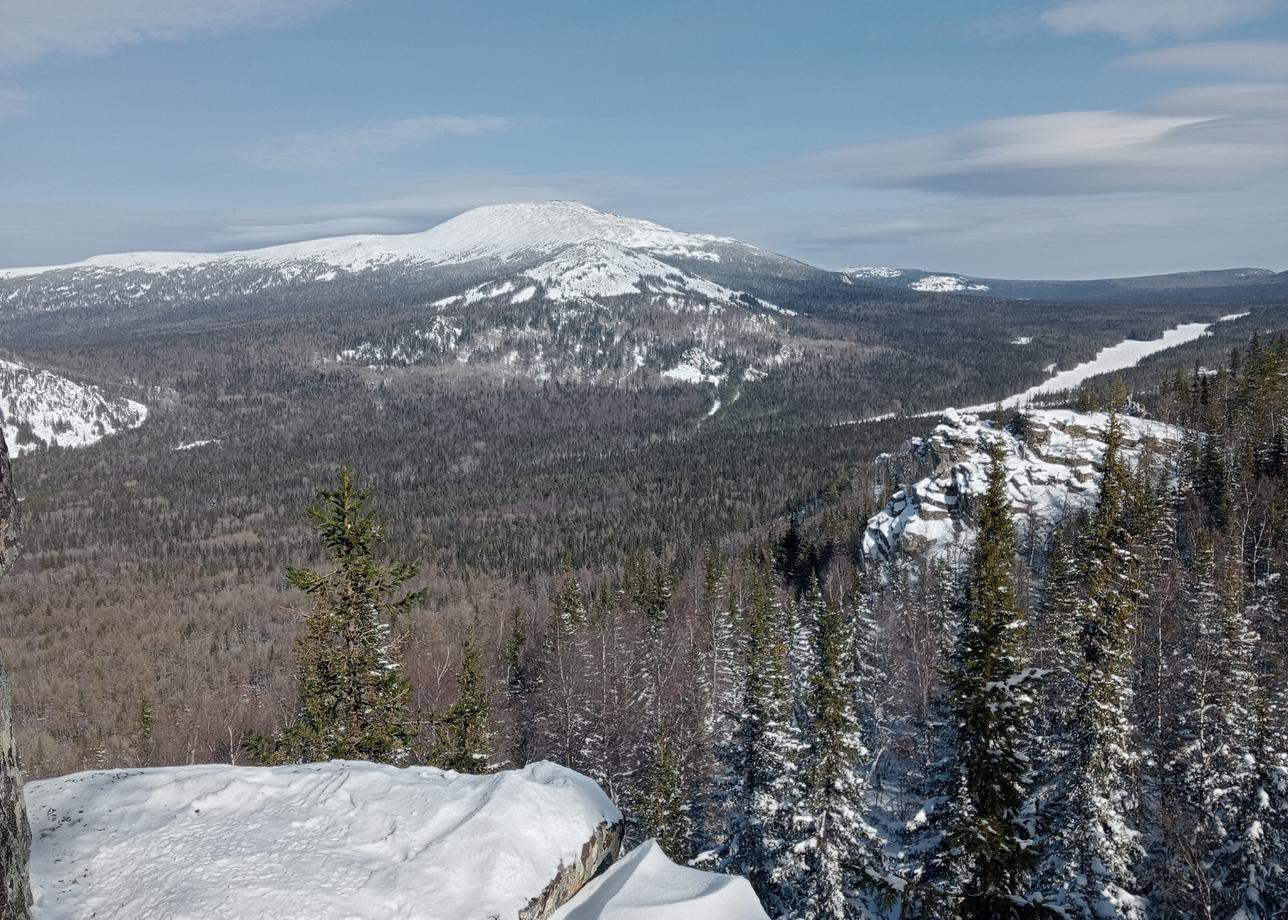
(9, 518)
(599, 851)
(15, 834)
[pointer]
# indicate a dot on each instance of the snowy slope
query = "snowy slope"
(645, 885)
(39, 408)
(1052, 470)
(335, 841)
(503, 231)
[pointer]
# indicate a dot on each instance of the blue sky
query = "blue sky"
(1070, 138)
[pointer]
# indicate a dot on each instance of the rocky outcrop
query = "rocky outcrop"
(1053, 458)
(599, 851)
(9, 519)
(15, 835)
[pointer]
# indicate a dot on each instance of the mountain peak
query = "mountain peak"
(496, 231)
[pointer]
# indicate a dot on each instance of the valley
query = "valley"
(603, 443)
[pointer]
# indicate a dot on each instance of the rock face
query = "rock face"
(599, 851)
(15, 835)
(9, 519)
(1053, 458)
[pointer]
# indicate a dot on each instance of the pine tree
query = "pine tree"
(664, 815)
(842, 848)
(352, 693)
(464, 732)
(1092, 845)
(990, 844)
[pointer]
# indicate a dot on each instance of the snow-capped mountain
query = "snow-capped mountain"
(508, 234)
(505, 232)
(551, 290)
(1052, 464)
(40, 409)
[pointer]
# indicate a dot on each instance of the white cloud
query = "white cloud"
(34, 28)
(1209, 137)
(1144, 20)
(1254, 59)
(343, 146)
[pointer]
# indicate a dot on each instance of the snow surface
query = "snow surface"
(193, 445)
(1050, 471)
(502, 231)
(1127, 353)
(696, 366)
(59, 411)
(333, 841)
(945, 283)
(873, 271)
(646, 885)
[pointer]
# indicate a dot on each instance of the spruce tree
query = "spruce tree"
(1092, 846)
(519, 686)
(562, 721)
(990, 843)
(759, 788)
(464, 732)
(664, 815)
(353, 696)
(843, 850)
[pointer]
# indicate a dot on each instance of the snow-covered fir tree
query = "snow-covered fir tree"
(760, 786)
(353, 696)
(464, 731)
(991, 849)
(1092, 846)
(665, 814)
(562, 722)
(843, 864)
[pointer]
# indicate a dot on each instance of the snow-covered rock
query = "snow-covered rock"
(646, 885)
(39, 409)
(1052, 461)
(873, 271)
(333, 841)
(696, 366)
(945, 284)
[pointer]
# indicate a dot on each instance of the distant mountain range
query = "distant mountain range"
(560, 292)
(1183, 284)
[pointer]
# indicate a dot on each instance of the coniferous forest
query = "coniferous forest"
(1083, 722)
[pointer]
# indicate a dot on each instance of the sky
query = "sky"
(1039, 139)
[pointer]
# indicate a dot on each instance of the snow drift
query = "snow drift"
(347, 840)
(646, 885)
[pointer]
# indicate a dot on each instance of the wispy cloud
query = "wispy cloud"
(1253, 59)
(1145, 20)
(35, 28)
(1209, 137)
(343, 146)
(13, 101)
